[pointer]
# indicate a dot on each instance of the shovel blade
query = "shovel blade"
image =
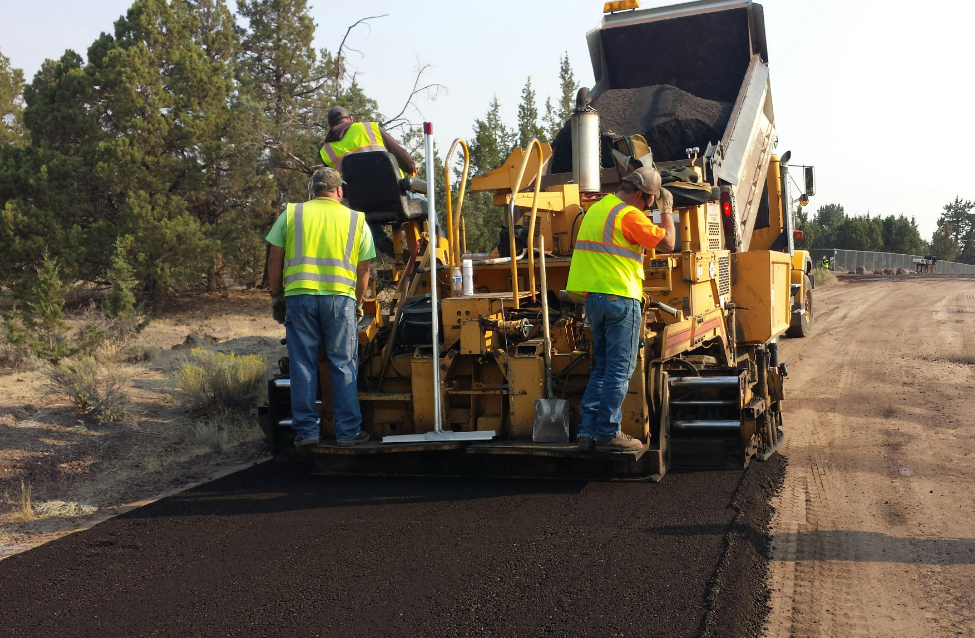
(551, 421)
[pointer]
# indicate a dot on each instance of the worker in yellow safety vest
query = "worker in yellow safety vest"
(346, 136)
(607, 267)
(319, 271)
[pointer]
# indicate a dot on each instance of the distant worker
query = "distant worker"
(825, 265)
(607, 266)
(346, 136)
(319, 270)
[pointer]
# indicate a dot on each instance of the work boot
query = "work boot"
(585, 444)
(362, 437)
(306, 442)
(622, 443)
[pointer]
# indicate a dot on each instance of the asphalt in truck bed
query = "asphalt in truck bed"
(278, 551)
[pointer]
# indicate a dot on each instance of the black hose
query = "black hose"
(572, 230)
(686, 364)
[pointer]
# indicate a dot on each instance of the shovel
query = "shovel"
(551, 414)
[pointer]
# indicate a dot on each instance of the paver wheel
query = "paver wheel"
(802, 324)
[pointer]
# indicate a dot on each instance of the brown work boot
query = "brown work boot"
(585, 444)
(362, 437)
(622, 443)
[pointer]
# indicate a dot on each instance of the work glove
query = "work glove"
(359, 312)
(278, 307)
(665, 201)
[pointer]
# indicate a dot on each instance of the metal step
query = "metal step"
(704, 403)
(705, 425)
(703, 382)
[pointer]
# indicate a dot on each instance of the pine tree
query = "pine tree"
(551, 120)
(528, 127)
(567, 83)
(11, 103)
(37, 323)
(121, 300)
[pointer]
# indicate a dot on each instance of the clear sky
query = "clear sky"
(876, 94)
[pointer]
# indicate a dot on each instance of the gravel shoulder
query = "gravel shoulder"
(874, 532)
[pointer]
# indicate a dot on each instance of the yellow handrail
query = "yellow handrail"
(533, 145)
(453, 226)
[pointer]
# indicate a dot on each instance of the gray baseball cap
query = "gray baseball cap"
(326, 179)
(646, 179)
(335, 114)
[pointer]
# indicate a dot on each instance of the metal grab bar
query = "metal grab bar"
(453, 224)
(533, 145)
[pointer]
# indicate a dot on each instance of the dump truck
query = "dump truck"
(485, 378)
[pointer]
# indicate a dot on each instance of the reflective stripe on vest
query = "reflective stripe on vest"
(603, 260)
(330, 264)
(359, 137)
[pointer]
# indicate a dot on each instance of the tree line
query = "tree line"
(831, 227)
(174, 143)
(180, 136)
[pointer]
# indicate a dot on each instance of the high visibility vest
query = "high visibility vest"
(602, 258)
(321, 249)
(359, 137)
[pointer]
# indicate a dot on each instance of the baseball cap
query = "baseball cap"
(646, 179)
(335, 114)
(326, 179)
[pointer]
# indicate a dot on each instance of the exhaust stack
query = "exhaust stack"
(584, 124)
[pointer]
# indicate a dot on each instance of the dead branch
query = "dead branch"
(398, 120)
(342, 47)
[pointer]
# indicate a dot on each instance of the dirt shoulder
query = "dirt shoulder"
(78, 473)
(874, 533)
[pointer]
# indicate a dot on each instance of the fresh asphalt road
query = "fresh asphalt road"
(278, 551)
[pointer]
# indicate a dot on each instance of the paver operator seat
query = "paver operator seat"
(375, 188)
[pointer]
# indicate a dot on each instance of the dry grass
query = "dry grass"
(211, 434)
(141, 351)
(26, 512)
(63, 509)
(823, 277)
(97, 395)
(216, 381)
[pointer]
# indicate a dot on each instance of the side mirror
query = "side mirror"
(810, 174)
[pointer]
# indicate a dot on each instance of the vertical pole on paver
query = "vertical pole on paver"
(434, 310)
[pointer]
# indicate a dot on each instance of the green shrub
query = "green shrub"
(96, 395)
(213, 380)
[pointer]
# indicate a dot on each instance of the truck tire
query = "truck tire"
(802, 324)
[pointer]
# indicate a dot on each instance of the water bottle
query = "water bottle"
(456, 283)
(468, 276)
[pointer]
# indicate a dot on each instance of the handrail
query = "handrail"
(532, 146)
(453, 227)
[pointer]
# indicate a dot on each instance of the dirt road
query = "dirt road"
(874, 533)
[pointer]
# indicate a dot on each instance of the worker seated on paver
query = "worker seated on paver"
(346, 136)
(318, 270)
(607, 266)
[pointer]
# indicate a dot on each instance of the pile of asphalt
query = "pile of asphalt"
(276, 551)
(670, 119)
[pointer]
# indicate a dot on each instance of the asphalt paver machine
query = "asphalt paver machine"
(462, 377)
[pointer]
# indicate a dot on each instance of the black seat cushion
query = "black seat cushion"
(373, 187)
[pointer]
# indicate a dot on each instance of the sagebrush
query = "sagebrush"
(95, 393)
(214, 380)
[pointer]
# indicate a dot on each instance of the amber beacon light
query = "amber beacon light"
(621, 5)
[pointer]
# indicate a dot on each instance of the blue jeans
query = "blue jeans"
(312, 321)
(615, 322)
